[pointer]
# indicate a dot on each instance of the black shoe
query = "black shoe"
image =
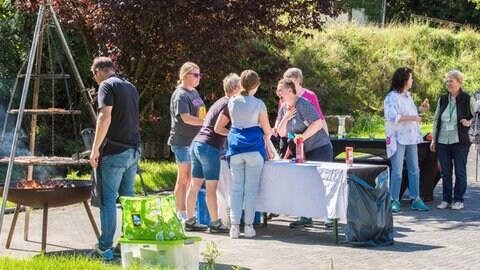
(117, 251)
(192, 225)
(272, 215)
(218, 227)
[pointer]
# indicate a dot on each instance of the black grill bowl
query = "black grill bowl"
(52, 197)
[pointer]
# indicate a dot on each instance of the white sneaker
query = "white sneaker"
(444, 205)
(249, 231)
(234, 231)
(457, 206)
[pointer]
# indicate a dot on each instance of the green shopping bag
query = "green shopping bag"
(151, 218)
(172, 226)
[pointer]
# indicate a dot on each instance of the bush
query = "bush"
(368, 124)
(350, 67)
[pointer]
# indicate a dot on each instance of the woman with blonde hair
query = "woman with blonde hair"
(450, 140)
(187, 112)
(246, 150)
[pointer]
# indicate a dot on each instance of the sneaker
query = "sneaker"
(192, 225)
(419, 205)
(457, 205)
(218, 227)
(106, 255)
(234, 231)
(117, 250)
(395, 206)
(302, 222)
(444, 205)
(329, 222)
(249, 231)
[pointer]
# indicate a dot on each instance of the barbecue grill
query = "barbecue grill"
(45, 194)
(59, 192)
(50, 193)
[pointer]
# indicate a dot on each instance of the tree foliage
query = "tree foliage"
(150, 39)
(476, 2)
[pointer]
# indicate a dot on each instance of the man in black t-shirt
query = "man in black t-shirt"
(117, 140)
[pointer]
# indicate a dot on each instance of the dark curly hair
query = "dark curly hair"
(400, 78)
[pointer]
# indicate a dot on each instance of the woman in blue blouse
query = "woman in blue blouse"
(402, 127)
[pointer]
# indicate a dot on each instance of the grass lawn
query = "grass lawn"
(157, 175)
(59, 262)
(8, 205)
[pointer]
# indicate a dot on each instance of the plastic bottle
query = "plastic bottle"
(341, 127)
(349, 155)
(299, 157)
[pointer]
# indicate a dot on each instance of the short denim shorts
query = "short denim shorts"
(205, 161)
(182, 153)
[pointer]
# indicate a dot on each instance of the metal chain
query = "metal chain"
(69, 98)
(51, 71)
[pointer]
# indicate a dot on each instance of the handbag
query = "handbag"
(474, 130)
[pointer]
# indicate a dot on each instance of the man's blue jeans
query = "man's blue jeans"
(458, 154)
(410, 152)
(246, 170)
(117, 173)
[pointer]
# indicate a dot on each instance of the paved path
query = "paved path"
(437, 239)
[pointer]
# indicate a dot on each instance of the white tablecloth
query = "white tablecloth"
(311, 189)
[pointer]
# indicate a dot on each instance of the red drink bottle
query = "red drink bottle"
(299, 149)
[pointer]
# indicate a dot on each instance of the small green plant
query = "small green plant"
(210, 255)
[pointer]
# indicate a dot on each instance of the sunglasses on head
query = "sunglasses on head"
(196, 75)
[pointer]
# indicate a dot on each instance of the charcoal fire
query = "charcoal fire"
(44, 184)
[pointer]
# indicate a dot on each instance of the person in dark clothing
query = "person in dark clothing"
(206, 150)
(116, 147)
(450, 140)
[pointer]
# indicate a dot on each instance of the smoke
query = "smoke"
(7, 129)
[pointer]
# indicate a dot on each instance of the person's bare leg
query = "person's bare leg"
(192, 193)
(212, 199)
(183, 181)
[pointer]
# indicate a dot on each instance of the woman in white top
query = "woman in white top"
(246, 150)
(402, 127)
